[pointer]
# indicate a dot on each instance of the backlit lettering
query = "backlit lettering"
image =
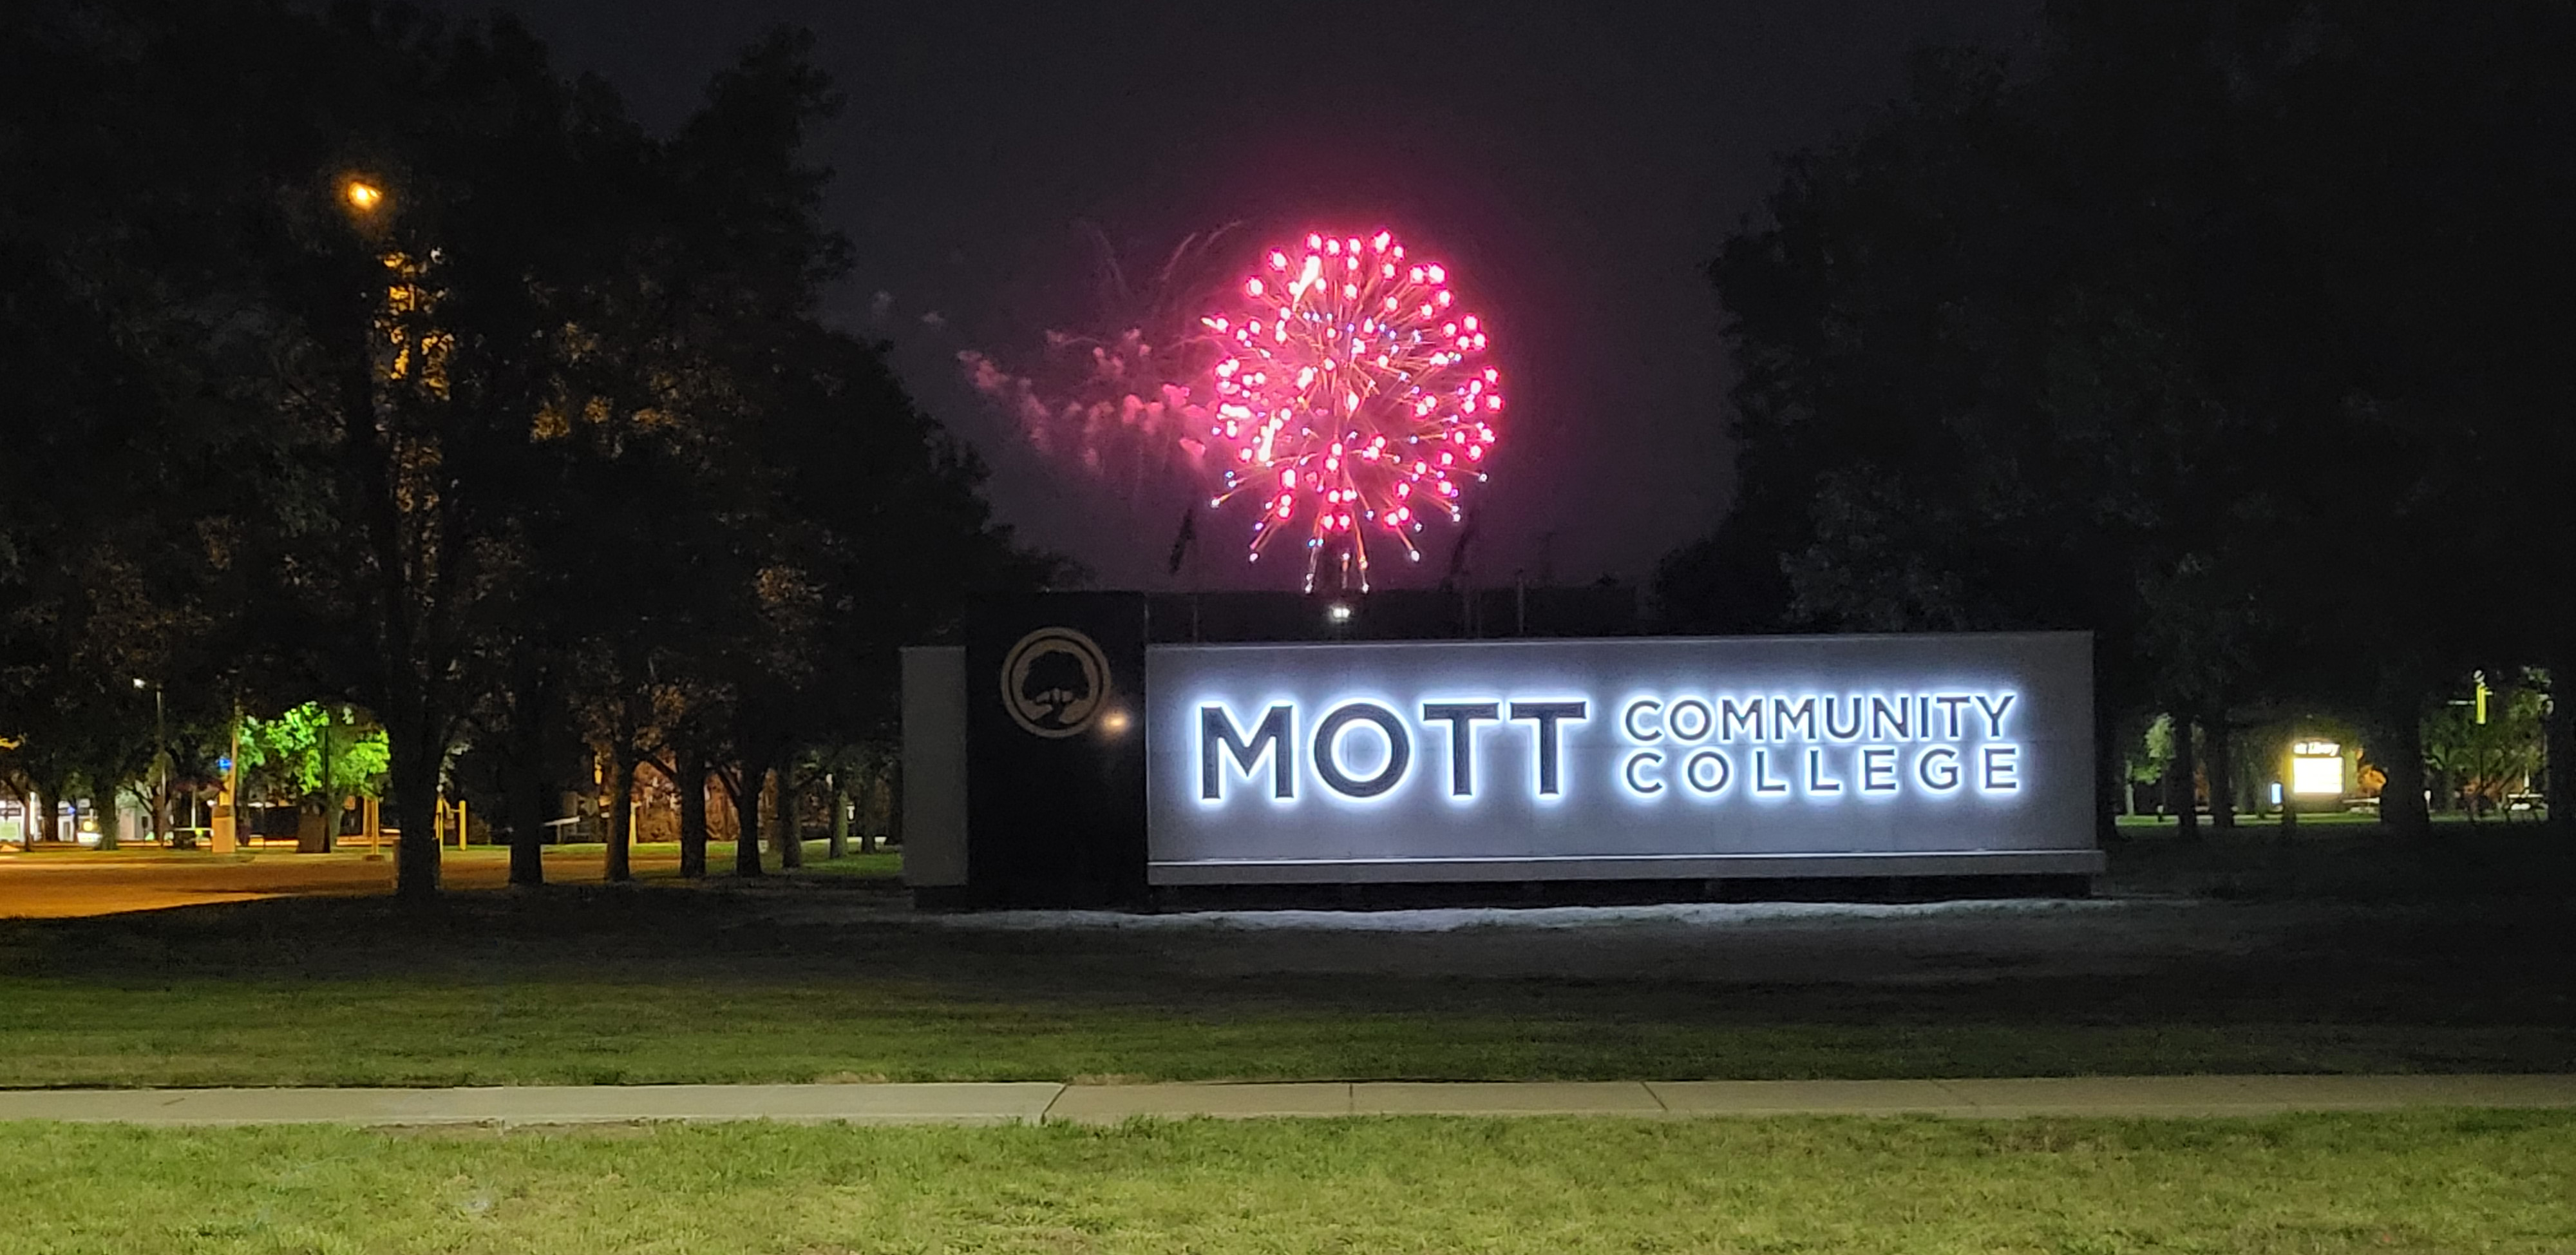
(1641, 706)
(1688, 720)
(1762, 781)
(2002, 763)
(1995, 713)
(1834, 726)
(1707, 772)
(1643, 758)
(1328, 749)
(1886, 717)
(1548, 715)
(1784, 716)
(1817, 781)
(1270, 736)
(1878, 770)
(1732, 718)
(1462, 718)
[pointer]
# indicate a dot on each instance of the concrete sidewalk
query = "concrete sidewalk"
(1026, 1102)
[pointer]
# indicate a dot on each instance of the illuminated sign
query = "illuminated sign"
(1649, 759)
(2316, 769)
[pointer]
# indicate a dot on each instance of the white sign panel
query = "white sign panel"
(1626, 759)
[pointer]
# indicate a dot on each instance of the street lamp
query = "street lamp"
(362, 195)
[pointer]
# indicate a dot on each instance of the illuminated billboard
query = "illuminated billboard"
(1652, 759)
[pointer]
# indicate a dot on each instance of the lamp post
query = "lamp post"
(227, 819)
(160, 764)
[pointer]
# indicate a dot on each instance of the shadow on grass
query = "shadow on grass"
(2347, 952)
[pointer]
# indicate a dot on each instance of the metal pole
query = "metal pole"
(330, 795)
(227, 819)
(161, 768)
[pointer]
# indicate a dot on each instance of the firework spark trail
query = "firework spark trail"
(1351, 399)
(1114, 413)
(1125, 399)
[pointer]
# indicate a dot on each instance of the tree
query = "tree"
(2483, 749)
(336, 241)
(876, 537)
(458, 399)
(312, 757)
(120, 554)
(2118, 340)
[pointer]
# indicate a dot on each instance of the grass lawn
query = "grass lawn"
(884, 864)
(2420, 1182)
(2324, 955)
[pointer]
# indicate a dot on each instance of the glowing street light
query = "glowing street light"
(362, 195)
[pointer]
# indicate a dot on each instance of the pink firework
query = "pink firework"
(1352, 399)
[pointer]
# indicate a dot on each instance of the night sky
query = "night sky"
(1577, 164)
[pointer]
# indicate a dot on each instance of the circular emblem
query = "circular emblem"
(1054, 682)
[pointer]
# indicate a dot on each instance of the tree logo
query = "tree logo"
(1054, 682)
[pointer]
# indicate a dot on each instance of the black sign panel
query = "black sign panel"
(1055, 722)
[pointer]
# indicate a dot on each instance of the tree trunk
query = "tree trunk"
(840, 815)
(873, 789)
(2186, 781)
(526, 799)
(523, 771)
(44, 804)
(692, 784)
(2109, 778)
(404, 688)
(2398, 749)
(330, 831)
(313, 821)
(159, 798)
(2285, 766)
(892, 785)
(103, 805)
(621, 816)
(746, 809)
(2222, 775)
(790, 821)
(2558, 745)
(415, 778)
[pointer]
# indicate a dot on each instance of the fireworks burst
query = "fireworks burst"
(1351, 400)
